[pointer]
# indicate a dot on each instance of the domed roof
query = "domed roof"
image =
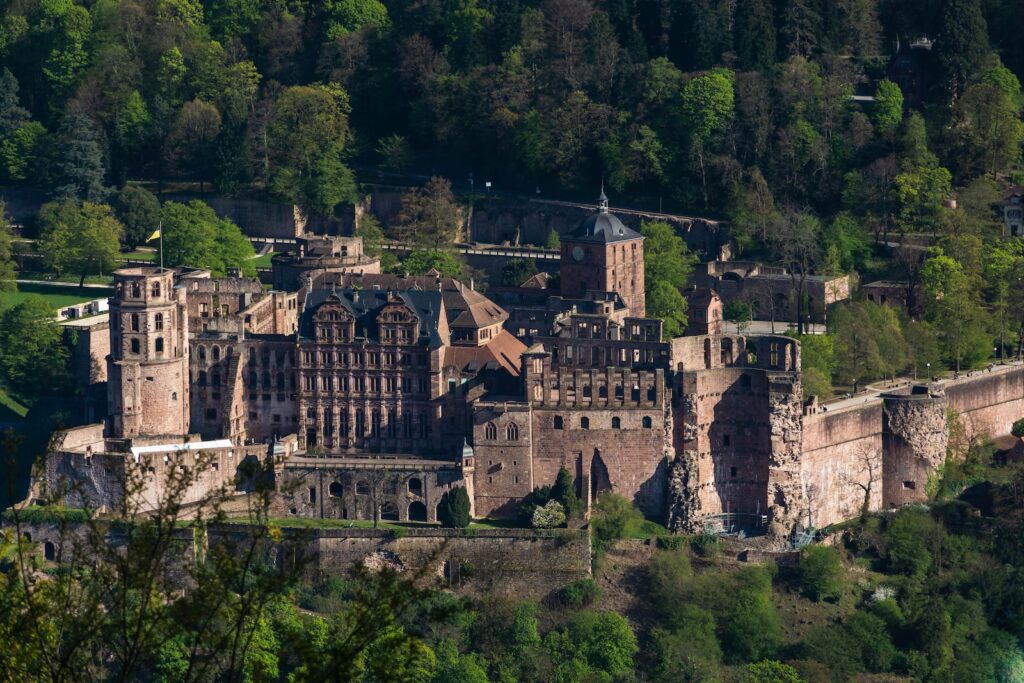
(467, 450)
(603, 226)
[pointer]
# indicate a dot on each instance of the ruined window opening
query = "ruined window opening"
(135, 322)
(584, 423)
(910, 485)
(49, 551)
(159, 344)
(158, 321)
(732, 471)
(558, 422)
(416, 486)
(512, 432)
(156, 289)
(745, 381)
(602, 391)
(616, 423)
(312, 494)
(647, 423)
(135, 345)
(726, 440)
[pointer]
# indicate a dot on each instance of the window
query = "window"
(202, 353)
(215, 352)
(156, 289)
(135, 322)
(312, 494)
(558, 422)
(490, 431)
(616, 423)
(416, 486)
(158, 321)
(135, 345)
(584, 423)
(136, 290)
(647, 423)
(732, 471)
(159, 344)
(910, 485)
(211, 413)
(726, 440)
(334, 489)
(745, 381)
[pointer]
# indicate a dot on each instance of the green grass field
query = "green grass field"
(145, 255)
(263, 261)
(57, 296)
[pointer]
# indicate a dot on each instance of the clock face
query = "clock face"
(577, 253)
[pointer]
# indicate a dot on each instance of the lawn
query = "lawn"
(263, 261)
(143, 255)
(10, 407)
(58, 296)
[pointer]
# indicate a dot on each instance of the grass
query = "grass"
(47, 277)
(144, 255)
(264, 260)
(58, 296)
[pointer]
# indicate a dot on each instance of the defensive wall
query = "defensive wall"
(988, 402)
(522, 564)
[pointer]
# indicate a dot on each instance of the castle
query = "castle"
(371, 394)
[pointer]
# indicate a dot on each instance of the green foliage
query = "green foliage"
(688, 650)
(422, 262)
(868, 341)
(912, 538)
(706, 545)
(548, 516)
(564, 491)
(138, 209)
(33, 357)
(395, 153)
(668, 267)
(553, 241)
(454, 509)
(581, 593)
(821, 573)
(517, 271)
(430, 218)
(888, 111)
(195, 236)
(610, 519)
(592, 643)
(79, 171)
(8, 268)
(770, 671)
(1018, 428)
(84, 240)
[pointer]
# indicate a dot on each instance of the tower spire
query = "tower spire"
(602, 199)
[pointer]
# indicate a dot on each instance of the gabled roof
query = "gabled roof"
(365, 306)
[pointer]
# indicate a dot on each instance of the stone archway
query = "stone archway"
(600, 482)
(417, 512)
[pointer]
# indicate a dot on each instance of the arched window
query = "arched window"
(158, 321)
(512, 432)
(135, 345)
(602, 391)
(490, 431)
(416, 486)
(558, 422)
(586, 391)
(584, 423)
(389, 512)
(335, 489)
(362, 488)
(155, 289)
(215, 351)
(280, 381)
(136, 290)
(266, 379)
(135, 322)
(647, 423)
(159, 344)
(619, 393)
(616, 423)
(202, 378)
(417, 511)
(202, 353)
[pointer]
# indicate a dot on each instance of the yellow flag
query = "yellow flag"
(155, 235)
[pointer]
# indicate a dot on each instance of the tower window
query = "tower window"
(158, 321)
(135, 345)
(135, 322)
(512, 432)
(156, 289)
(616, 423)
(584, 423)
(647, 423)
(136, 290)
(490, 431)
(159, 344)
(558, 422)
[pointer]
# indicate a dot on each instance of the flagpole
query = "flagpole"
(160, 227)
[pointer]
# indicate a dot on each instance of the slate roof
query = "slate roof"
(603, 228)
(365, 306)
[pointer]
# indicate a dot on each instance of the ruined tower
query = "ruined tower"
(148, 363)
(603, 255)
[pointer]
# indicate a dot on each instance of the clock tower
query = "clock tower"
(603, 255)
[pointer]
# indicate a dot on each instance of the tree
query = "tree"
(612, 518)
(395, 152)
(988, 131)
(194, 236)
(306, 133)
(78, 171)
(796, 241)
(754, 34)
(138, 209)
(599, 642)
(548, 516)
(454, 509)
(192, 139)
(770, 671)
(564, 491)
(21, 152)
(888, 111)
(422, 262)
(12, 114)
(741, 313)
(689, 650)
(961, 43)
(517, 271)
(821, 573)
(707, 107)
(430, 217)
(8, 268)
(868, 341)
(668, 266)
(84, 240)
(33, 357)
(951, 306)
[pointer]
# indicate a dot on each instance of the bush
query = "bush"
(454, 510)
(689, 651)
(1018, 428)
(533, 500)
(672, 542)
(549, 516)
(706, 545)
(581, 593)
(613, 516)
(564, 491)
(770, 671)
(821, 573)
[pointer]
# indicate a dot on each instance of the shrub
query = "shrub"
(770, 671)
(821, 573)
(581, 593)
(687, 652)
(706, 545)
(454, 510)
(549, 516)
(672, 542)
(613, 516)
(564, 491)
(1018, 428)
(536, 498)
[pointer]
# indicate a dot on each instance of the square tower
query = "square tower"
(603, 255)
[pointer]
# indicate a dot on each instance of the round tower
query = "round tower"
(914, 438)
(148, 363)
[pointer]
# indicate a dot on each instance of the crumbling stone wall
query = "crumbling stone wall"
(786, 500)
(988, 402)
(915, 435)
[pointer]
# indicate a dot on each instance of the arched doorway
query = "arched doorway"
(600, 482)
(417, 512)
(389, 512)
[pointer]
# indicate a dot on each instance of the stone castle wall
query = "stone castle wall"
(988, 402)
(914, 442)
